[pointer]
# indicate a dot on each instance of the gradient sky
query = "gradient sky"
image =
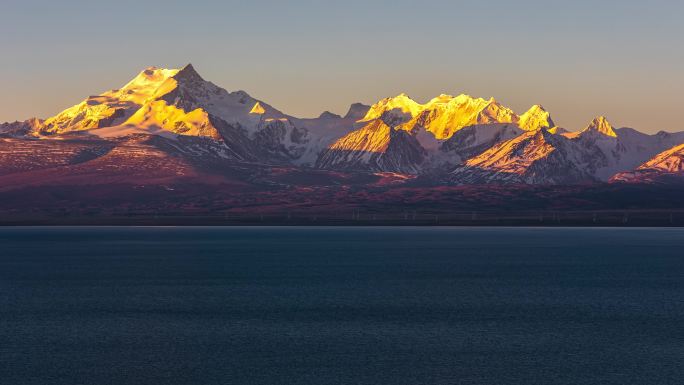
(623, 59)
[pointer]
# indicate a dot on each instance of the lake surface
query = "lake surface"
(341, 306)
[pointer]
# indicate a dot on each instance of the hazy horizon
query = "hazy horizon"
(579, 59)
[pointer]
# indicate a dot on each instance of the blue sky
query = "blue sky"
(579, 59)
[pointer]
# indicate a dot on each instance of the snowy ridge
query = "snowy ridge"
(433, 125)
(376, 147)
(454, 139)
(536, 157)
(669, 163)
(536, 118)
(542, 157)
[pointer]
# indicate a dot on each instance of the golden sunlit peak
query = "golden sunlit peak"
(441, 99)
(601, 125)
(401, 102)
(258, 109)
(151, 75)
(110, 106)
(536, 118)
(464, 99)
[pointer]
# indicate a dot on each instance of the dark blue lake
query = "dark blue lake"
(293, 306)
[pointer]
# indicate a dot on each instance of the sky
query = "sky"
(579, 59)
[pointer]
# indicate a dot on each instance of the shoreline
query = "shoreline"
(613, 218)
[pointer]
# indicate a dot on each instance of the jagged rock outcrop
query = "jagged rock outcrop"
(24, 128)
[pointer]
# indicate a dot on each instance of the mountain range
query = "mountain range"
(170, 126)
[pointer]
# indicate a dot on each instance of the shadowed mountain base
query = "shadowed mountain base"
(224, 204)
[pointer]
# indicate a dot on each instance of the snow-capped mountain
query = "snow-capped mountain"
(110, 108)
(535, 157)
(451, 139)
(436, 126)
(179, 102)
(622, 149)
(441, 116)
(543, 157)
(666, 165)
(325, 130)
(376, 147)
(536, 118)
(474, 140)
